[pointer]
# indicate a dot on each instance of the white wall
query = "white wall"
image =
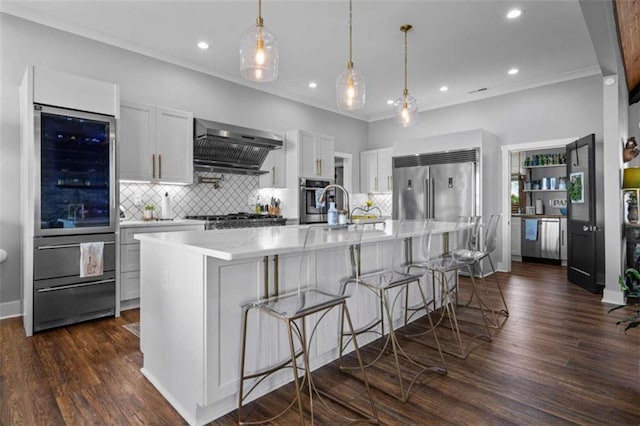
(634, 121)
(544, 113)
(141, 79)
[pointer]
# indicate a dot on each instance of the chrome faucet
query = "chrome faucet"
(345, 195)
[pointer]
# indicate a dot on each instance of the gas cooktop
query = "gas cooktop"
(239, 220)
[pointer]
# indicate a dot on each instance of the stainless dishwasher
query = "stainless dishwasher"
(546, 244)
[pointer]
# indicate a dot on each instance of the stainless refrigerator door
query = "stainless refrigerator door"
(410, 192)
(452, 189)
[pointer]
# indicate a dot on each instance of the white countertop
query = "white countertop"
(137, 223)
(247, 243)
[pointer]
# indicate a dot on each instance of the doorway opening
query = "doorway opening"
(518, 191)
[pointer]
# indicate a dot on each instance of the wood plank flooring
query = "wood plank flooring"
(558, 359)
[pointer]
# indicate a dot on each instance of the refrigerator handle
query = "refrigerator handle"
(432, 201)
(427, 198)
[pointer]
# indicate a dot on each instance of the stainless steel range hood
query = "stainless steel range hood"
(225, 148)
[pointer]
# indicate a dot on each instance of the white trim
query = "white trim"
(613, 297)
(10, 309)
(347, 164)
(505, 265)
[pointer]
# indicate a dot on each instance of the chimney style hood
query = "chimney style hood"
(224, 148)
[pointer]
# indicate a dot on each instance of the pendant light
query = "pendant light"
(259, 52)
(350, 86)
(406, 106)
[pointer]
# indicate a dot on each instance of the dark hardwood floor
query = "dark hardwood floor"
(558, 359)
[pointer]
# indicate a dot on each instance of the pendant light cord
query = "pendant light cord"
(259, 20)
(350, 64)
(406, 91)
(405, 29)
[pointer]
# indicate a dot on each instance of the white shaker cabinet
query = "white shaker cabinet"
(376, 170)
(316, 154)
(274, 165)
(156, 144)
(130, 256)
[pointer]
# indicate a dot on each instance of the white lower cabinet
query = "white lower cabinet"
(130, 256)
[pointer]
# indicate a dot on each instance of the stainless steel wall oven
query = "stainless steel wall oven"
(310, 210)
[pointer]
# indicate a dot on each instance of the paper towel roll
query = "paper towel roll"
(165, 210)
(539, 206)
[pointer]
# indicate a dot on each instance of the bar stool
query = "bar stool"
(475, 256)
(296, 309)
(387, 285)
(442, 269)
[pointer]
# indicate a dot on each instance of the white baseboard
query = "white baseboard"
(10, 309)
(614, 297)
(129, 304)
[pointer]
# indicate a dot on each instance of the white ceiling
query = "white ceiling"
(463, 44)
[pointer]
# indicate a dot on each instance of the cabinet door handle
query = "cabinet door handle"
(375, 183)
(388, 183)
(562, 236)
(273, 175)
(153, 166)
(160, 166)
(320, 161)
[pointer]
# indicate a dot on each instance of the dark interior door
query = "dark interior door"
(581, 216)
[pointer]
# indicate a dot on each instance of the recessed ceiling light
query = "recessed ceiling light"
(513, 71)
(514, 13)
(444, 88)
(203, 45)
(390, 102)
(609, 81)
(313, 85)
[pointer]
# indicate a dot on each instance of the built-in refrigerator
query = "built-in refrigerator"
(441, 186)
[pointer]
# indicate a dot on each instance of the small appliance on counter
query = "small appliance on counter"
(539, 206)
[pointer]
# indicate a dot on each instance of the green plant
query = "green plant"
(149, 207)
(515, 199)
(630, 284)
(574, 191)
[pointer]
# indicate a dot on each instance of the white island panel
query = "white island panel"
(195, 283)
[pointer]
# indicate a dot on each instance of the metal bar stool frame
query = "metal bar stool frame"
(390, 279)
(443, 271)
(297, 331)
(476, 255)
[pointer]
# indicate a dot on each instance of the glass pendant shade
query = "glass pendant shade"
(350, 90)
(406, 110)
(259, 55)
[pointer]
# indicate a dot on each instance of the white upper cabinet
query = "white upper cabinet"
(274, 165)
(316, 155)
(156, 144)
(376, 170)
(57, 88)
(174, 148)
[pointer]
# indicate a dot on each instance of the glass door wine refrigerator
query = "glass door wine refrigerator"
(75, 217)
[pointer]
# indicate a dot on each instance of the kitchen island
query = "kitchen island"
(193, 287)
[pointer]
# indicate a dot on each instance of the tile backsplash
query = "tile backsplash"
(381, 200)
(236, 193)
